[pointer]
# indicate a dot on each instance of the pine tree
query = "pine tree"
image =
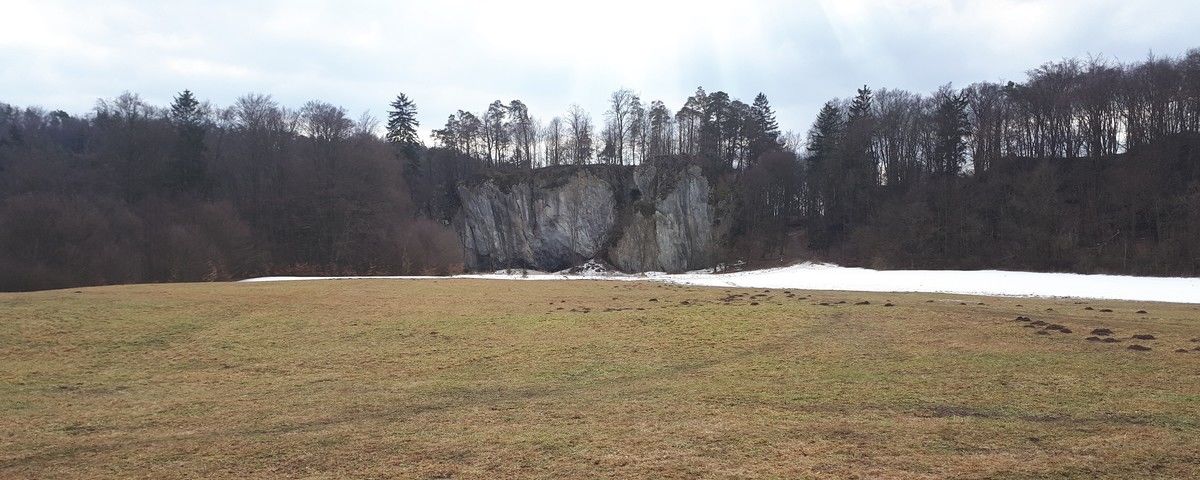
(859, 159)
(402, 124)
(764, 129)
(825, 196)
(523, 133)
(660, 130)
(860, 107)
(692, 122)
(951, 127)
(185, 110)
(449, 137)
(495, 130)
(860, 170)
(824, 135)
(188, 172)
(714, 129)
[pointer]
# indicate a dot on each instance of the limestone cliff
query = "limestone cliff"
(638, 219)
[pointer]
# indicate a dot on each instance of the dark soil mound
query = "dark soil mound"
(1139, 348)
(1103, 332)
(1144, 337)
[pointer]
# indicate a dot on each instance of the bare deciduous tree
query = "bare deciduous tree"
(579, 126)
(554, 137)
(620, 104)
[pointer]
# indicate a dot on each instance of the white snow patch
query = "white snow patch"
(976, 282)
(810, 276)
(591, 268)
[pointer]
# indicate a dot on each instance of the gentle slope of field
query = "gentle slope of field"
(485, 379)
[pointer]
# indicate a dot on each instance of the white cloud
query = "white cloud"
(463, 54)
(195, 67)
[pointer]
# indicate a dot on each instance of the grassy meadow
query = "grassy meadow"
(577, 379)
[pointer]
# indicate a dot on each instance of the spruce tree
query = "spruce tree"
(714, 129)
(402, 124)
(764, 134)
(859, 167)
(825, 133)
(187, 171)
(825, 174)
(185, 110)
(951, 127)
(860, 107)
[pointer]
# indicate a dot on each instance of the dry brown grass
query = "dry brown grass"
(487, 379)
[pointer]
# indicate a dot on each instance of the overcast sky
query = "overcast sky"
(450, 55)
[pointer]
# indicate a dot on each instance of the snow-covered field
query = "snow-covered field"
(832, 277)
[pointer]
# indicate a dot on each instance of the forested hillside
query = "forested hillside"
(1089, 166)
(135, 193)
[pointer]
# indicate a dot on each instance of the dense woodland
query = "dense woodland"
(1086, 165)
(135, 193)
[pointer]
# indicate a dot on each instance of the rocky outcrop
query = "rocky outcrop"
(672, 229)
(643, 218)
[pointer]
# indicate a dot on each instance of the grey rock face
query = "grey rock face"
(637, 218)
(672, 231)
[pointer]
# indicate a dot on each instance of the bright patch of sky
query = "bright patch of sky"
(454, 54)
